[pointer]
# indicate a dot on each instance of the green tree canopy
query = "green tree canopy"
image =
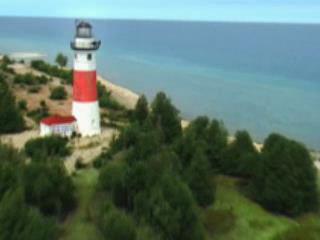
(48, 187)
(58, 93)
(11, 120)
(287, 179)
(141, 111)
(17, 221)
(166, 117)
(61, 60)
(241, 158)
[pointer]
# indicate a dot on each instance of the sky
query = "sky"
(288, 11)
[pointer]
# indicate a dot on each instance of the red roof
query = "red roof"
(56, 120)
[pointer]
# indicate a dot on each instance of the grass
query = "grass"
(250, 221)
(78, 226)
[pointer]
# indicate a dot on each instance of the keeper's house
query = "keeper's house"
(58, 125)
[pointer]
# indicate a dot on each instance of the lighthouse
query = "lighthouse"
(85, 106)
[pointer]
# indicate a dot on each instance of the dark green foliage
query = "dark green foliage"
(34, 89)
(61, 60)
(48, 187)
(241, 158)
(54, 71)
(58, 93)
(17, 221)
(4, 64)
(171, 210)
(11, 120)
(217, 141)
(40, 113)
(30, 79)
(105, 99)
(165, 117)
(116, 225)
(112, 179)
(41, 149)
(212, 137)
(23, 105)
(141, 111)
(10, 162)
(199, 179)
(286, 179)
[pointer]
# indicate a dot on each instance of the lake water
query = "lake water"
(260, 77)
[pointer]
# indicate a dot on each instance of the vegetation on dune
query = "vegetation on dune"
(11, 120)
(46, 148)
(105, 100)
(39, 113)
(58, 93)
(54, 71)
(30, 79)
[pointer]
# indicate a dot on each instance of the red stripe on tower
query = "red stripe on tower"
(85, 86)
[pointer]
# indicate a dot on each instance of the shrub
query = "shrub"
(112, 180)
(116, 225)
(58, 93)
(23, 105)
(48, 187)
(34, 89)
(41, 149)
(17, 221)
(286, 181)
(54, 71)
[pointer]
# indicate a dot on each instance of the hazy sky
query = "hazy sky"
(208, 10)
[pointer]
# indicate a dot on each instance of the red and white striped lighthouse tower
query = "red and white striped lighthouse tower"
(85, 106)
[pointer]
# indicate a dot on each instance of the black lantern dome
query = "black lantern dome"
(84, 39)
(84, 30)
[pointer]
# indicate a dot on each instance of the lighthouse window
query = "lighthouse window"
(89, 56)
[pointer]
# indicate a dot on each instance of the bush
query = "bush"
(112, 179)
(11, 120)
(54, 71)
(17, 221)
(23, 105)
(116, 225)
(48, 187)
(286, 181)
(58, 93)
(42, 149)
(34, 89)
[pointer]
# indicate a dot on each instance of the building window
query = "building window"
(89, 56)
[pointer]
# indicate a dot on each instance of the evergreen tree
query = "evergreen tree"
(241, 158)
(141, 111)
(11, 120)
(166, 117)
(200, 179)
(286, 181)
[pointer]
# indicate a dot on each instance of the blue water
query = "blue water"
(260, 77)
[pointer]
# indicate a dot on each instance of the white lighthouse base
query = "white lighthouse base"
(88, 117)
